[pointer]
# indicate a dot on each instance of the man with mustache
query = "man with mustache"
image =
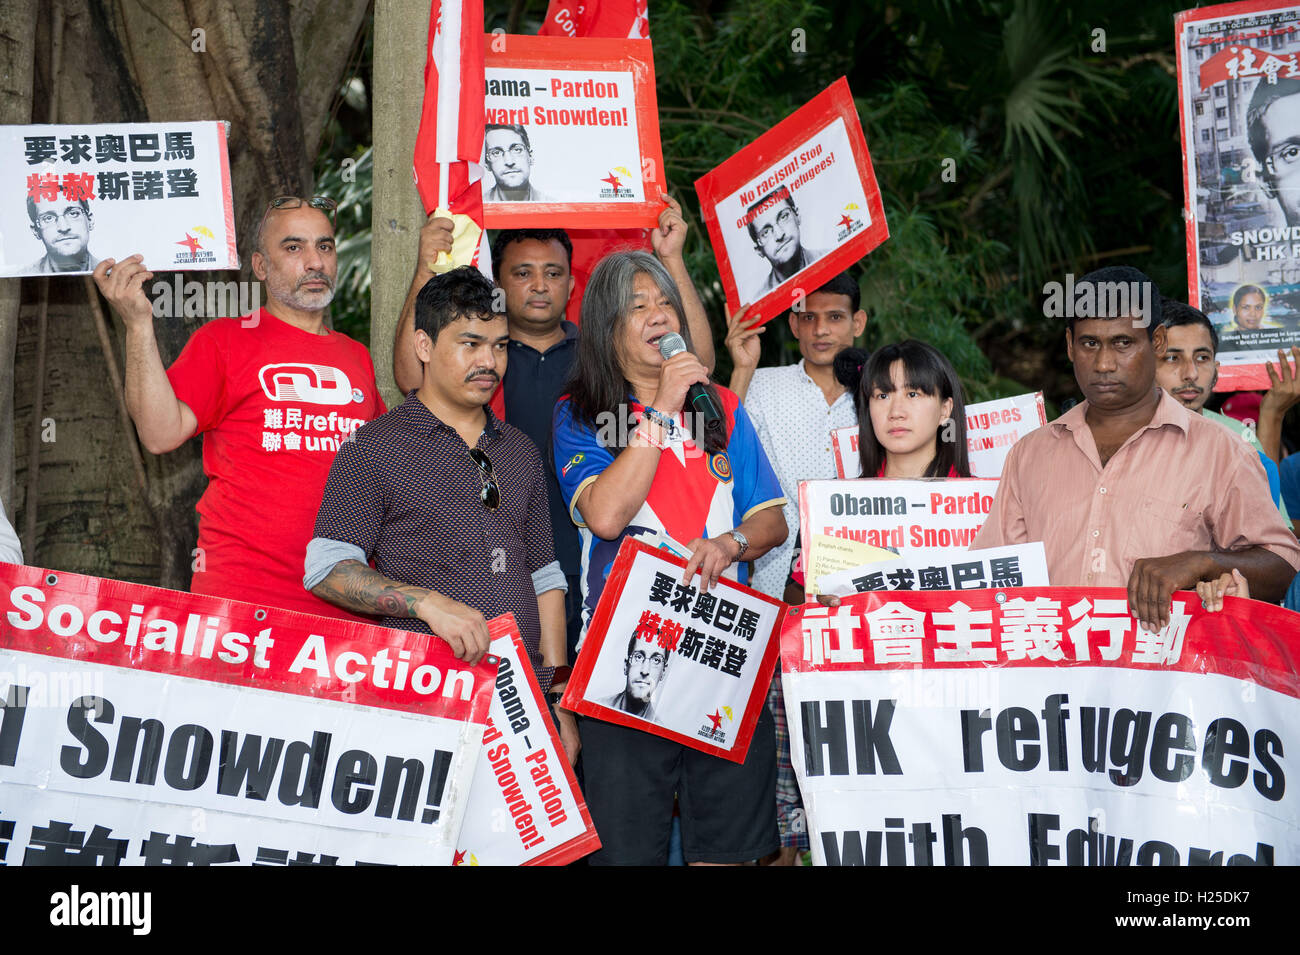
(447, 500)
(273, 393)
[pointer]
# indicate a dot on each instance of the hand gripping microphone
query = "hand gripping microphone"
(700, 400)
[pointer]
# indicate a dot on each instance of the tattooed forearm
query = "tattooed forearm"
(354, 586)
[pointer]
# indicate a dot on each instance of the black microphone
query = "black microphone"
(673, 344)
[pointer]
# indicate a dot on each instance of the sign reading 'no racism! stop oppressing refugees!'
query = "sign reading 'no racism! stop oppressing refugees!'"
(147, 726)
(1043, 726)
(795, 207)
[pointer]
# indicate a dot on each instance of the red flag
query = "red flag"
(622, 19)
(450, 138)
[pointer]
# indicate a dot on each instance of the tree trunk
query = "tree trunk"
(401, 37)
(17, 57)
(269, 68)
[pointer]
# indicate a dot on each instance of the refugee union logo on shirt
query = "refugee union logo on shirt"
(320, 384)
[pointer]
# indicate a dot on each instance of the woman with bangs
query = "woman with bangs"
(911, 415)
(911, 423)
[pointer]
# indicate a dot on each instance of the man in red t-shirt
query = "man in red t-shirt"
(274, 394)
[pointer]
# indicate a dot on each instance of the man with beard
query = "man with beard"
(774, 226)
(644, 669)
(1129, 488)
(509, 156)
(274, 394)
(447, 500)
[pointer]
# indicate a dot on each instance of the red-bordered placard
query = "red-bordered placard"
(519, 813)
(286, 735)
(719, 660)
(588, 110)
(122, 624)
(1042, 627)
(1243, 219)
(848, 523)
(814, 162)
(109, 190)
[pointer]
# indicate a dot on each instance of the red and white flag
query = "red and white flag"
(622, 19)
(449, 143)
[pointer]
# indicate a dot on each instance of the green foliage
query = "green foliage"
(1064, 158)
(351, 182)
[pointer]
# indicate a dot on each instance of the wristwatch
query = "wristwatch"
(560, 675)
(740, 539)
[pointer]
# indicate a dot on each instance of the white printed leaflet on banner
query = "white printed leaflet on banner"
(848, 523)
(1016, 565)
(664, 657)
(1043, 726)
(142, 726)
(525, 807)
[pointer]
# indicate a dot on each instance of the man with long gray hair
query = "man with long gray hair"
(722, 504)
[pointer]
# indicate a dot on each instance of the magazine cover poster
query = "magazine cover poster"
(1239, 82)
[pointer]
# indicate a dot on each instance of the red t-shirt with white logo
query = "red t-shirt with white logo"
(273, 404)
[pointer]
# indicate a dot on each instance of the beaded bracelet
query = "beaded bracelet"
(654, 414)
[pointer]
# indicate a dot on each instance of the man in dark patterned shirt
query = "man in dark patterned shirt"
(448, 501)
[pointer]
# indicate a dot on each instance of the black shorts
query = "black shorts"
(728, 810)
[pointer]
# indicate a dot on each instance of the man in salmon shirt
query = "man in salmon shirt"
(274, 394)
(1129, 488)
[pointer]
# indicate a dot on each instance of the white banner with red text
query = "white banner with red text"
(525, 807)
(670, 659)
(149, 726)
(1043, 726)
(846, 524)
